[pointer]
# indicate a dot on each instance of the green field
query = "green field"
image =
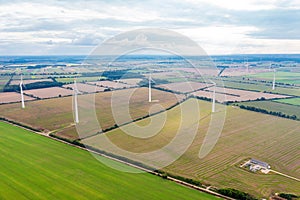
(275, 106)
(36, 167)
(281, 77)
(292, 101)
(245, 135)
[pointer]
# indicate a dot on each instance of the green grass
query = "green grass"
(36, 167)
(275, 106)
(292, 101)
(281, 77)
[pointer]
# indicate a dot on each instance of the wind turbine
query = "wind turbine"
(75, 102)
(149, 90)
(247, 66)
(274, 77)
(213, 108)
(21, 91)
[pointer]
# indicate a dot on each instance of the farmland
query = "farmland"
(54, 114)
(79, 79)
(281, 77)
(275, 106)
(39, 168)
(243, 95)
(245, 134)
(292, 101)
(17, 82)
(9, 97)
(110, 84)
(184, 87)
(49, 92)
(85, 87)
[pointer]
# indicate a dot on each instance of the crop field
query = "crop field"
(9, 97)
(3, 81)
(78, 79)
(131, 81)
(49, 92)
(244, 95)
(281, 77)
(85, 88)
(56, 114)
(275, 106)
(242, 71)
(110, 84)
(184, 87)
(40, 168)
(17, 82)
(245, 135)
(292, 101)
(295, 91)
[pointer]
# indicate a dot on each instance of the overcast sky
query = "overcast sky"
(218, 26)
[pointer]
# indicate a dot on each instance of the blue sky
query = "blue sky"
(218, 26)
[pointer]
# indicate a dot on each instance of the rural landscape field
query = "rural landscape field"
(260, 122)
(151, 100)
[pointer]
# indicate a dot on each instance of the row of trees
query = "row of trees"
(279, 114)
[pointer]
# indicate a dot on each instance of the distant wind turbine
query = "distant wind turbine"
(75, 102)
(247, 66)
(213, 108)
(274, 81)
(21, 91)
(149, 90)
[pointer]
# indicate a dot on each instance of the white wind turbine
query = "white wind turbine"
(274, 80)
(213, 108)
(21, 91)
(149, 90)
(75, 102)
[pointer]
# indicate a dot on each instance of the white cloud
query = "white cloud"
(221, 27)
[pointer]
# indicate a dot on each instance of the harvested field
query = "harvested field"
(131, 81)
(110, 84)
(85, 88)
(184, 87)
(49, 92)
(10, 97)
(243, 95)
(17, 82)
(55, 114)
(245, 135)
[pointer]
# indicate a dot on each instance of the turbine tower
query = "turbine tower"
(149, 90)
(274, 77)
(21, 91)
(213, 108)
(75, 102)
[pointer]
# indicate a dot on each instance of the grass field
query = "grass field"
(292, 101)
(275, 106)
(281, 77)
(40, 168)
(245, 134)
(79, 79)
(262, 87)
(53, 114)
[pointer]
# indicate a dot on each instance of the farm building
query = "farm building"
(260, 163)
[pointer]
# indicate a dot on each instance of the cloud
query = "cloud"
(220, 26)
